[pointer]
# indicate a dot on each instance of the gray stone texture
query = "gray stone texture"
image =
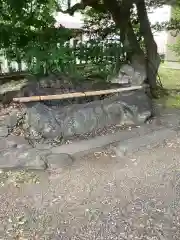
(4, 131)
(13, 142)
(133, 74)
(17, 153)
(77, 119)
(50, 121)
(57, 161)
(66, 118)
(22, 159)
(98, 142)
(12, 119)
(149, 140)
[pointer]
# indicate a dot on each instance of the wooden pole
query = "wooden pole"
(76, 94)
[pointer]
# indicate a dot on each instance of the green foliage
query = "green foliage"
(176, 48)
(101, 58)
(100, 26)
(28, 34)
(104, 51)
(174, 23)
(176, 31)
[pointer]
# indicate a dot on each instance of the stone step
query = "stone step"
(150, 140)
(86, 146)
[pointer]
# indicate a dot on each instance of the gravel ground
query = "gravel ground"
(99, 197)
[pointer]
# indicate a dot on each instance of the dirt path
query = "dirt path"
(100, 197)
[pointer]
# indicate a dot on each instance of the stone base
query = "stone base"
(48, 123)
(16, 152)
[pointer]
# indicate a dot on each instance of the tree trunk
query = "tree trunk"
(19, 66)
(153, 58)
(121, 16)
(134, 45)
(120, 13)
(137, 54)
(9, 66)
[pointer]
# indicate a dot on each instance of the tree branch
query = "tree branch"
(120, 13)
(75, 8)
(102, 33)
(83, 4)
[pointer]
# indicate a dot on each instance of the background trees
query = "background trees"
(28, 34)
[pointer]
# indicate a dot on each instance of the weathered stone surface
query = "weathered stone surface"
(135, 75)
(126, 73)
(42, 122)
(12, 89)
(17, 141)
(3, 120)
(4, 145)
(12, 86)
(88, 146)
(12, 142)
(139, 65)
(12, 119)
(149, 140)
(42, 146)
(78, 119)
(4, 131)
(21, 158)
(62, 160)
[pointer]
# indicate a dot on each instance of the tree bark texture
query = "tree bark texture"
(153, 58)
(120, 12)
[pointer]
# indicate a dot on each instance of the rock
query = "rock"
(17, 141)
(12, 119)
(139, 65)
(77, 119)
(41, 121)
(38, 163)
(11, 89)
(62, 160)
(41, 146)
(14, 142)
(23, 159)
(4, 131)
(124, 76)
(11, 116)
(4, 145)
(136, 106)
(134, 74)
(3, 119)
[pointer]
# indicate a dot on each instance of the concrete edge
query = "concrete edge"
(147, 141)
(120, 141)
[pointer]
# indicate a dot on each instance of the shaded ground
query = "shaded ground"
(99, 197)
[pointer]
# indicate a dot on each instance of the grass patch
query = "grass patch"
(173, 101)
(170, 79)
